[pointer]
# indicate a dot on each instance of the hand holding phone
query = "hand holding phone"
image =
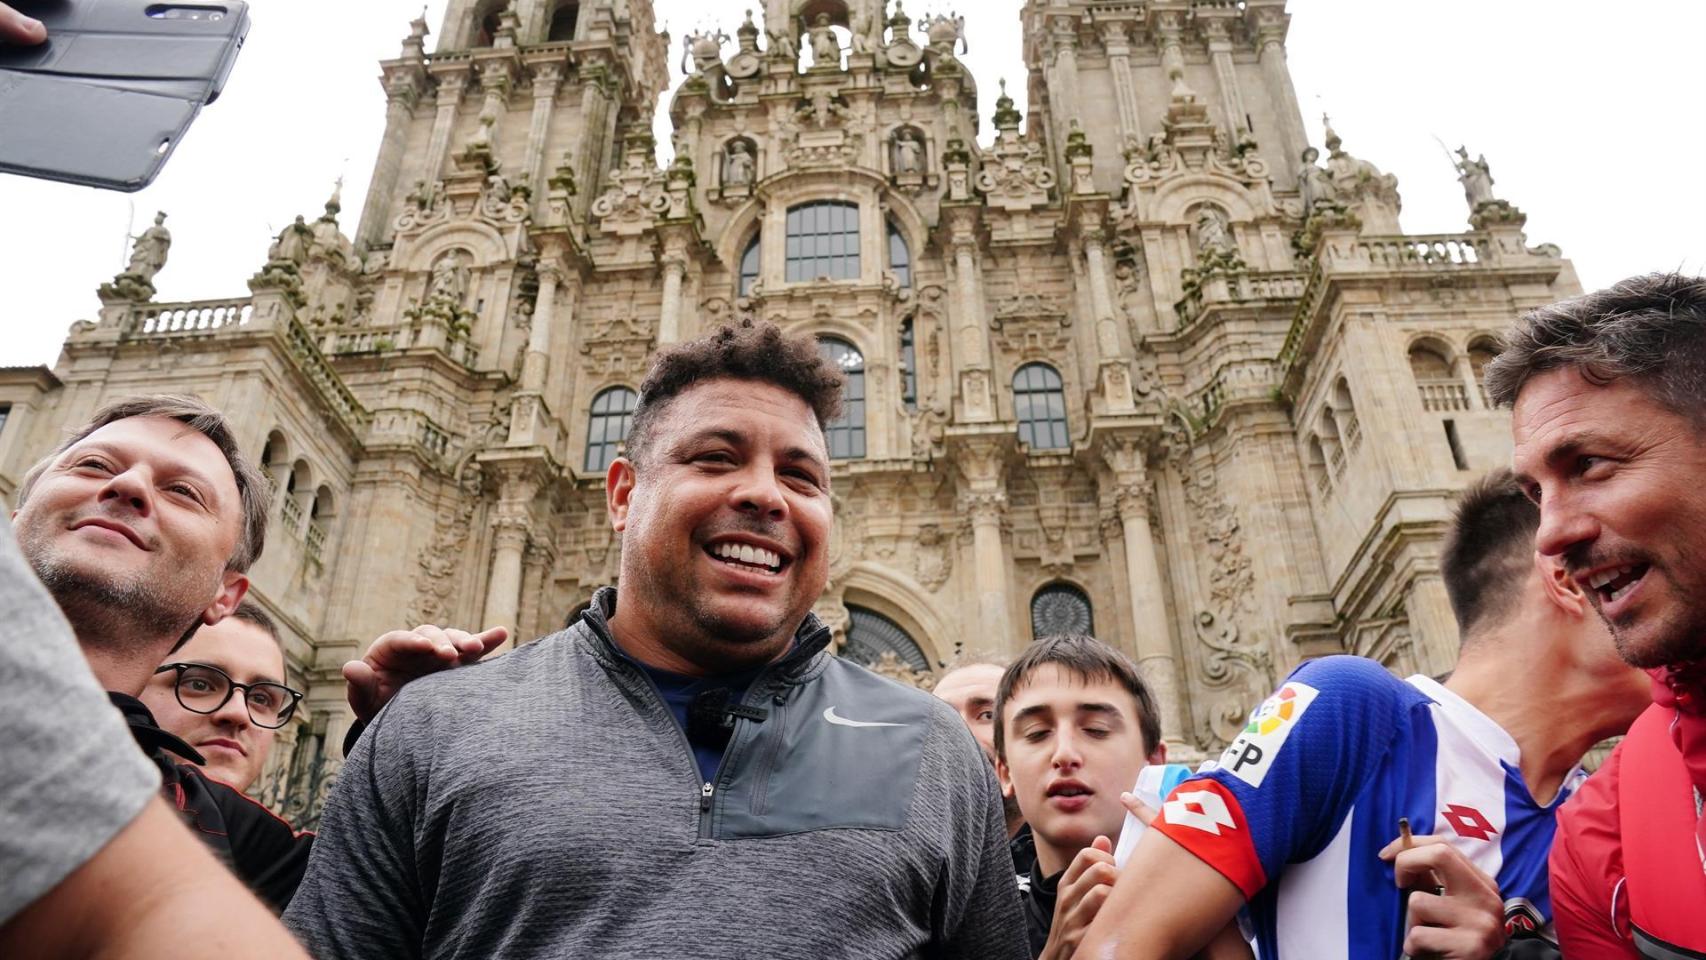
(108, 95)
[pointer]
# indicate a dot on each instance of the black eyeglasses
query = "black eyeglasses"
(204, 689)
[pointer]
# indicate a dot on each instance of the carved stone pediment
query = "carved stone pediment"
(636, 196)
(1015, 175)
(1029, 324)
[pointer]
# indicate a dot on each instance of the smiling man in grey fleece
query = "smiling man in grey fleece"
(685, 771)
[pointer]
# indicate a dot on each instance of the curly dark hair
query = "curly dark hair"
(752, 350)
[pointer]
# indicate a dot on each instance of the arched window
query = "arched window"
(846, 433)
(823, 241)
(900, 258)
(749, 267)
(908, 367)
(607, 426)
(562, 26)
(1318, 465)
(486, 23)
(1039, 403)
(1349, 429)
(1436, 379)
(870, 635)
(1060, 608)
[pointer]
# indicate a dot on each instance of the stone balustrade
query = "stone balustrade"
(190, 316)
(1239, 288)
(325, 379)
(314, 542)
(1445, 251)
(1443, 396)
(366, 340)
(291, 513)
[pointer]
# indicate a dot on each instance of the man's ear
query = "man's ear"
(1158, 756)
(619, 492)
(1005, 776)
(233, 587)
(1560, 588)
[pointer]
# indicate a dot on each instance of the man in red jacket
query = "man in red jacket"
(1609, 418)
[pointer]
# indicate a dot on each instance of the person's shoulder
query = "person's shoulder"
(873, 691)
(1353, 681)
(479, 688)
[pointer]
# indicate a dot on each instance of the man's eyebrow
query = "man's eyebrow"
(726, 434)
(263, 678)
(1103, 709)
(1035, 710)
(979, 701)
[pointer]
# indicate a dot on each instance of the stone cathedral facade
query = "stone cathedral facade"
(1144, 363)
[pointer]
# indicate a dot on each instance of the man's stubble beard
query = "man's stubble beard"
(1674, 639)
(121, 614)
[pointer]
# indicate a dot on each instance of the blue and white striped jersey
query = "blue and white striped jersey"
(1297, 808)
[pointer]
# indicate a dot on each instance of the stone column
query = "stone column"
(1117, 42)
(450, 88)
(503, 589)
(1270, 37)
(986, 509)
(669, 317)
(1220, 54)
(399, 108)
(1063, 84)
(971, 338)
(537, 362)
(1114, 375)
(547, 78)
(1153, 641)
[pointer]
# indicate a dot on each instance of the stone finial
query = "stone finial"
(335, 203)
(1333, 140)
(1006, 115)
(747, 28)
(414, 45)
(1077, 144)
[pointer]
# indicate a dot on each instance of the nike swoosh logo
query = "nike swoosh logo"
(829, 714)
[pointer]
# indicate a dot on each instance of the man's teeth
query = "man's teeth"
(1624, 578)
(1604, 577)
(747, 553)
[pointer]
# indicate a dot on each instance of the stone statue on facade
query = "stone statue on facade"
(1476, 177)
(908, 152)
(448, 284)
(1212, 234)
(738, 167)
(867, 34)
(826, 50)
(704, 51)
(148, 253)
(783, 45)
(1315, 183)
(292, 243)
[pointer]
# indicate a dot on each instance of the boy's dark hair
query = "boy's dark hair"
(752, 350)
(1488, 551)
(1089, 659)
(250, 612)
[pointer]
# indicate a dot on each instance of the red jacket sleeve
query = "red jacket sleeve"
(1586, 867)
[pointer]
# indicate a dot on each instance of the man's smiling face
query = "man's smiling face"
(1621, 484)
(725, 524)
(142, 515)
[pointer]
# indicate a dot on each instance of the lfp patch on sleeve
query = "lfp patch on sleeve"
(1252, 752)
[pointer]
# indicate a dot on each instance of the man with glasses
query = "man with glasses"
(224, 694)
(142, 526)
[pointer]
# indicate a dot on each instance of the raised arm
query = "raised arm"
(1166, 905)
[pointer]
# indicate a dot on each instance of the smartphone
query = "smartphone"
(107, 98)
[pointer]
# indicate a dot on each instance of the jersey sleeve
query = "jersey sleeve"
(1281, 788)
(1586, 863)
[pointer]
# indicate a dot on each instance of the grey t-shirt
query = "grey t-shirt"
(71, 776)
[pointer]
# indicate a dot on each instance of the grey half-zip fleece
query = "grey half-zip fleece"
(546, 804)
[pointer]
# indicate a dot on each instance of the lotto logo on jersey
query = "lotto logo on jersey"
(1252, 753)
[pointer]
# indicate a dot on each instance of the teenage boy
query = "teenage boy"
(1074, 725)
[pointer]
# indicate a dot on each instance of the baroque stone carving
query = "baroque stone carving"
(1233, 668)
(933, 561)
(441, 559)
(1015, 174)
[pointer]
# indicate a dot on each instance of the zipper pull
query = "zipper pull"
(705, 798)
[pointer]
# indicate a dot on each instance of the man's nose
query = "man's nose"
(757, 491)
(1067, 756)
(1564, 524)
(130, 489)
(234, 712)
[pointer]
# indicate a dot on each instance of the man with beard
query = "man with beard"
(1608, 392)
(686, 769)
(141, 526)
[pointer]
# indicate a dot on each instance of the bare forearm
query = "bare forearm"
(1150, 918)
(153, 891)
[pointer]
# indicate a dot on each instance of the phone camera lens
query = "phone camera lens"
(216, 16)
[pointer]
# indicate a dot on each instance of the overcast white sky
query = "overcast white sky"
(1593, 119)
